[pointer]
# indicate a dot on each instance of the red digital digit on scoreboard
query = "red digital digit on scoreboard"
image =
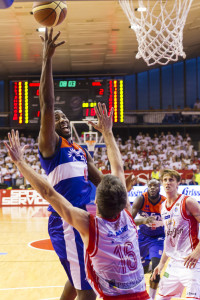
(92, 113)
(101, 92)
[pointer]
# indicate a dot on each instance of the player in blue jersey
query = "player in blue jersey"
(112, 253)
(151, 230)
(69, 169)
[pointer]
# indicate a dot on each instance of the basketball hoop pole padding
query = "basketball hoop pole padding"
(158, 29)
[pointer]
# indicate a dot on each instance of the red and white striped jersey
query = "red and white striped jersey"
(181, 229)
(112, 259)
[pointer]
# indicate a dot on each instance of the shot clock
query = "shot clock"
(75, 97)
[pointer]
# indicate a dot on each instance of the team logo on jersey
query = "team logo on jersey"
(167, 217)
(170, 222)
(117, 233)
(77, 155)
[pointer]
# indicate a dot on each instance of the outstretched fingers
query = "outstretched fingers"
(14, 139)
(93, 125)
(97, 112)
(10, 140)
(111, 113)
(50, 34)
(46, 34)
(101, 109)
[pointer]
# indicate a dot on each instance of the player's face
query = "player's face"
(62, 124)
(170, 184)
(153, 189)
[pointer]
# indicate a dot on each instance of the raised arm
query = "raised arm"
(105, 127)
(76, 217)
(48, 138)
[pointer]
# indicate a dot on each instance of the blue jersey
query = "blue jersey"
(67, 171)
(150, 209)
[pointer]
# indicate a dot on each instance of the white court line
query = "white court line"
(32, 287)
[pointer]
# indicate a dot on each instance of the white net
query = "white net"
(159, 28)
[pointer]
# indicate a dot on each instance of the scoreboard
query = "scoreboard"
(75, 97)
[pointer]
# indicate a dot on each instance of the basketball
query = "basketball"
(49, 14)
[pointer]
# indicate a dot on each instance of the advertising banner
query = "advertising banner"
(189, 190)
(21, 198)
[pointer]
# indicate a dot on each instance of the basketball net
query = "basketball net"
(159, 28)
(90, 145)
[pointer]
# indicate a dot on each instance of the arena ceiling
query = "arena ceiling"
(97, 34)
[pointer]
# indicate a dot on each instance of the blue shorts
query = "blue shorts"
(68, 245)
(150, 247)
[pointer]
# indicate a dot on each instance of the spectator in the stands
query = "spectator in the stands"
(139, 137)
(8, 162)
(14, 172)
(192, 166)
(3, 150)
(126, 166)
(188, 138)
(155, 174)
(196, 160)
(118, 138)
(22, 139)
(2, 161)
(136, 165)
(193, 182)
(129, 161)
(197, 104)
(183, 182)
(179, 136)
(7, 179)
(134, 155)
(197, 175)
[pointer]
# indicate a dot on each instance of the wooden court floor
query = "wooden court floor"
(27, 272)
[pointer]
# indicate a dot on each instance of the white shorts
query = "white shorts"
(176, 278)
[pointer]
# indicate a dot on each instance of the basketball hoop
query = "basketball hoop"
(90, 145)
(159, 28)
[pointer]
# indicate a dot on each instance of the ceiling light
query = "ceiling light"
(135, 26)
(141, 9)
(41, 29)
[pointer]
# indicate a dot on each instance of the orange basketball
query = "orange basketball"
(49, 14)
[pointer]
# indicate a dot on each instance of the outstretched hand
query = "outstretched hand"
(105, 122)
(130, 181)
(156, 272)
(15, 151)
(49, 43)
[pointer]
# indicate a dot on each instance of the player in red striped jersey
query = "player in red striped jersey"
(181, 217)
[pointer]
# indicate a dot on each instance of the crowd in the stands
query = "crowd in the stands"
(144, 152)
(154, 153)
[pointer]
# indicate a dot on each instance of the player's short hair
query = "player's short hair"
(171, 173)
(153, 180)
(111, 196)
